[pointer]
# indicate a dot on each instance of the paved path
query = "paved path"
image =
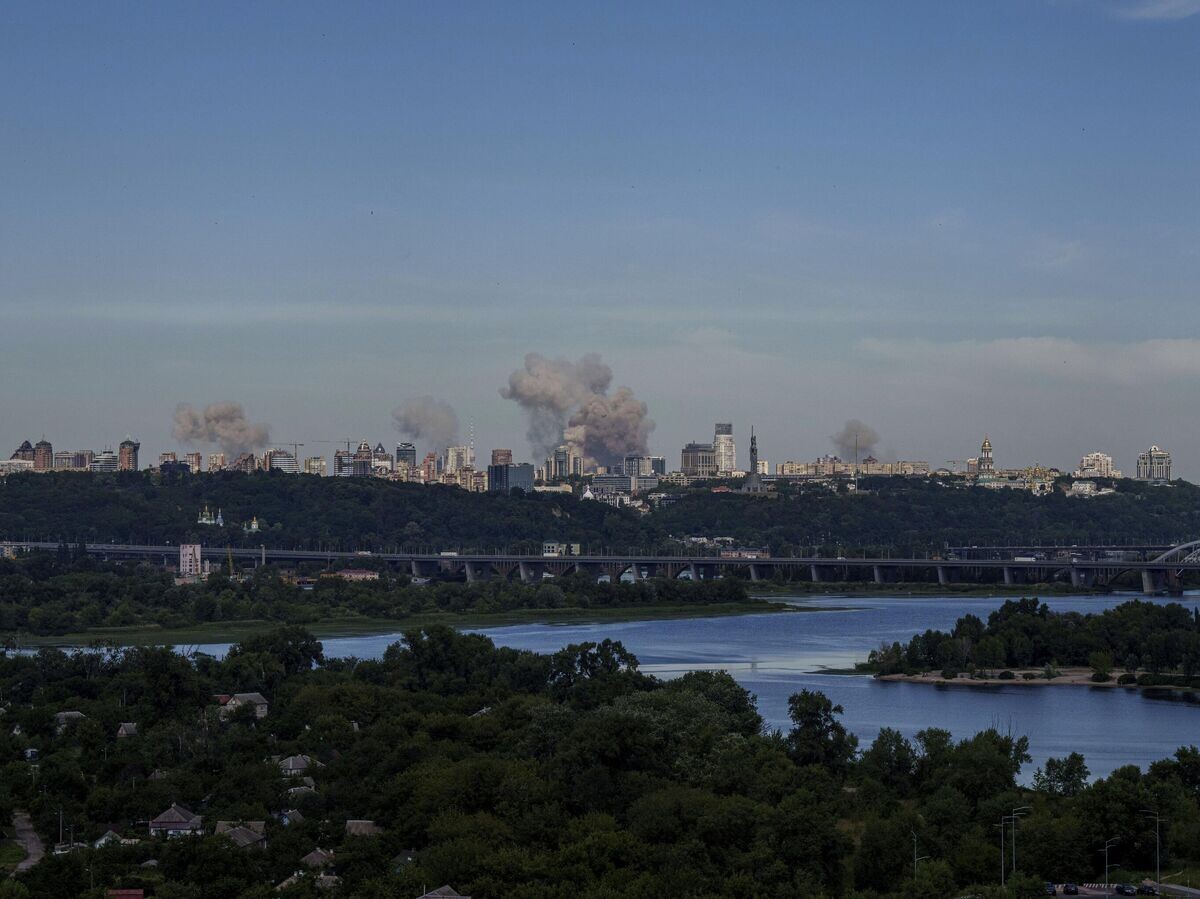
(27, 837)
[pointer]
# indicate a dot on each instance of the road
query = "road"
(27, 837)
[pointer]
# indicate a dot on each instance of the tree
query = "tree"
(1062, 777)
(817, 737)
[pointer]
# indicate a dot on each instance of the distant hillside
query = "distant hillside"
(916, 515)
(302, 512)
(892, 515)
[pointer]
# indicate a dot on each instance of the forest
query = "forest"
(69, 592)
(1156, 644)
(897, 516)
(504, 773)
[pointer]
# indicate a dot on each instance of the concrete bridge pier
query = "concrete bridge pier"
(614, 571)
(815, 573)
(476, 571)
(880, 574)
(1152, 582)
(504, 569)
(530, 573)
(1082, 577)
(1008, 576)
(422, 569)
(755, 573)
(694, 570)
(943, 575)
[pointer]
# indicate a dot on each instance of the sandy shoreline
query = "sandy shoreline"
(1071, 677)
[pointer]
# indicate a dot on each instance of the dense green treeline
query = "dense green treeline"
(510, 774)
(1162, 640)
(894, 515)
(68, 592)
(340, 514)
(918, 515)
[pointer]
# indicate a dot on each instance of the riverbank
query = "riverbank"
(1026, 677)
(233, 631)
(869, 588)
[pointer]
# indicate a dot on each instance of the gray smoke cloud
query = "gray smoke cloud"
(568, 402)
(844, 440)
(223, 424)
(428, 419)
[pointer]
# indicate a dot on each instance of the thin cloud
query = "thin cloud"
(1133, 363)
(1155, 10)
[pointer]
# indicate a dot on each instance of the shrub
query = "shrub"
(1028, 675)
(949, 672)
(1101, 677)
(1127, 678)
(1006, 675)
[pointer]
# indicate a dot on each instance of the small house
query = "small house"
(231, 703)
(318, 858)
(127, 729)
(443, 893)
(63, 720)
(362, 828)
(297, 765)
(176, 821)
(243, 834)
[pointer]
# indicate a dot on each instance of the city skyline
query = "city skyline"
(790, 215)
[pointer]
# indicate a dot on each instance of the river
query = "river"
(774, 655)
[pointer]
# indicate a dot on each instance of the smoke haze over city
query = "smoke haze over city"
(634, 224)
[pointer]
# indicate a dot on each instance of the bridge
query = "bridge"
(1160, 572)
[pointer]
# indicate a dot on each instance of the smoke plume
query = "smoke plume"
(851, 431)
(568, 402)
(428, 419)
(221, 423)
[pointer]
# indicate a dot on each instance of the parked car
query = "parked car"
(1070, 889)
(1051, 889)
(1146, 890)
(1125, 889)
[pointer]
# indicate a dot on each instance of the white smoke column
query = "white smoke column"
(429, 419)
(854, 434)
(568, 402)
(221, 423)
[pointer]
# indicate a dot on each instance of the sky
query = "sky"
(944, 219)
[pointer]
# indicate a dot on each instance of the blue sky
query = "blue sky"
(940, 218)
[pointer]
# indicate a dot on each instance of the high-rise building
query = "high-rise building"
(166, 457)
(43, 455)
(24, 452)
(698, 460)
(406, 454)
(64, 460)
(216, 461)
(502, 457)
(723, 448)
(343, 464)
(458, 457)
(429, 468)
(105, 461)
(190, 564)
(1154, 465)
(195, 462)
(362, 464)
(503, 477)
(280, 460)
(315, 465)
(1097, 465)
(382, 463)
(127, 454)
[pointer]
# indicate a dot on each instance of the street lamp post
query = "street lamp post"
(1016, 814)
(1151, 813)
(1001, 826)
(1109, 843)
